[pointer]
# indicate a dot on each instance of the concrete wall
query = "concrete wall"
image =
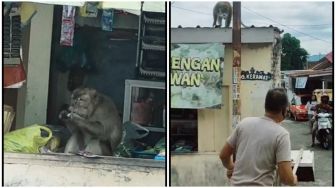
(214, 126)
(32, 97)
(62, 170)
(199, 169)
(253, 92)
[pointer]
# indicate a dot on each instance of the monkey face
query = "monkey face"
(82, 102)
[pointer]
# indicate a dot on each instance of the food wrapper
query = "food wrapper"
(68, 25)
(90, 9)
(107, 19)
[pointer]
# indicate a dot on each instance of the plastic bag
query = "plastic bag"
(27, 140)
(90, 9)
(132, 131)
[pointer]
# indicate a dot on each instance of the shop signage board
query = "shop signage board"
(196, 72)
(254, 74)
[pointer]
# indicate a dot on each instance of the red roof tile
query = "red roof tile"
(329, 57)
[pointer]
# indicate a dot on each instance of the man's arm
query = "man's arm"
(286, 173)
(225, 156)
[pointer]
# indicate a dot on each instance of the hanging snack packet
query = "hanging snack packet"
(68, 25)
(90, 9)
(107, 20)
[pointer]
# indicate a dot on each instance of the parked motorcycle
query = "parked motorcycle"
(324, 129)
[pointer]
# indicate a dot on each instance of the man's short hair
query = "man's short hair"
(276, 100)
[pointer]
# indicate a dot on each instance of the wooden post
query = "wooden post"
(236, 64)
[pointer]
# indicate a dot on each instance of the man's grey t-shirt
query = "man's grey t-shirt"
(260, 143)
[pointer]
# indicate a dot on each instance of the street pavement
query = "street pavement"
(323, 159)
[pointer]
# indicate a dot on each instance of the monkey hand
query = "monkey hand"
(64, 115)
(76, 116)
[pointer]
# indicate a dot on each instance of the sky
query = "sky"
(310, 22)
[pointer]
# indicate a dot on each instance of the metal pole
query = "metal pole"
(236, 64)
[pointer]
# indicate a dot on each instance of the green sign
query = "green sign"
(196, 72)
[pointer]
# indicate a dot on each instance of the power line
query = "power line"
(191, 10)
(320, 26)
(288, 26)
(311, 25)
(316, 25)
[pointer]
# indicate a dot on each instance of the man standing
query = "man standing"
(259, 144)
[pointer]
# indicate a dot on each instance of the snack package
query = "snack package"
(90, 9)
(68, 25)
(107, 19)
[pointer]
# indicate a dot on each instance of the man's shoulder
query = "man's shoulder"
(282, 130)
(247, 119)
(265, 121)
(253, 120)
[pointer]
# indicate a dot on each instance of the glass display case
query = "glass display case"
(144, 104)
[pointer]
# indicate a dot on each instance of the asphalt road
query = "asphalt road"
(300, 136)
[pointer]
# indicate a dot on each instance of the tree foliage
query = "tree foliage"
(293, 57)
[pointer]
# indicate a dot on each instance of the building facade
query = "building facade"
(260, 51)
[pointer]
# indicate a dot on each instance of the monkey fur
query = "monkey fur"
(222, 10)
(94, 122)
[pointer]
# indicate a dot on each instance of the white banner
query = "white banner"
(300, 82)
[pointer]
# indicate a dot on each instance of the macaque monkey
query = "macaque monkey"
(94, 122)
(223, 10)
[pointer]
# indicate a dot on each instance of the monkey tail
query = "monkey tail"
(229, 17)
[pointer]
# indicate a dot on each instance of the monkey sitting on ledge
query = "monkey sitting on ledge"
(94, 123)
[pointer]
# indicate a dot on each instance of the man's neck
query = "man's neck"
(275, 117)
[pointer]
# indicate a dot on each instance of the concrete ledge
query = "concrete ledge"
(64, 159)
(71, 170)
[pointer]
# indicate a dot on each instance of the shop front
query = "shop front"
(202, 120)
(117, 49)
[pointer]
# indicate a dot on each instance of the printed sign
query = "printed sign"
(196, 72)
(253, 74)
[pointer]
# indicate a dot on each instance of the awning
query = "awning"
(127, 6)
(135, 6)
(311, 73)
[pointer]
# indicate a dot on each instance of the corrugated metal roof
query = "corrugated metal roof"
(324, 63)
(311, 73)
(243, 28)
(223, 35)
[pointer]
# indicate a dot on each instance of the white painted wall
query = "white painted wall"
(33, 97)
